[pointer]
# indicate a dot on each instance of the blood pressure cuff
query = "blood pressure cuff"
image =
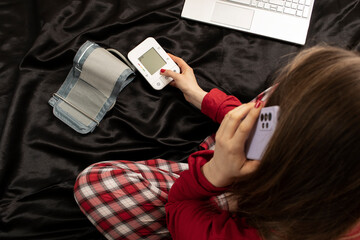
(91, 87)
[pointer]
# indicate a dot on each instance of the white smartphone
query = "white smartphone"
(262, 132)
(149, 57)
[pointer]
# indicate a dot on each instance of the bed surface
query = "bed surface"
(40, 156)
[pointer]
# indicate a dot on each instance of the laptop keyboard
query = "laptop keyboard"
(298, 8)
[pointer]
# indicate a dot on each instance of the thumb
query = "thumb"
(169, 73)
(249, 167)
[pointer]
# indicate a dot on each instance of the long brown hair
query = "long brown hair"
(308, 183)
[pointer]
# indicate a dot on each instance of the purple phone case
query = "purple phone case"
(262, 132)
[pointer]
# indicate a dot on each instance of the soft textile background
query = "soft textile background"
(40, 156)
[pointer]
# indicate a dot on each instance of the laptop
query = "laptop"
(287, 20)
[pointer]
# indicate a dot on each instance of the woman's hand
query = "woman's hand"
(229, 161)
(186, 82)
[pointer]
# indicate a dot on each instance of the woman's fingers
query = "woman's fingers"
(179, 61)
(233, 119)
(244, 129)
(170, 73)
(183, 68)
(229, 158)
(249, 167)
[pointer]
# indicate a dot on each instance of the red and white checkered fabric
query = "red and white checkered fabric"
(126, 200)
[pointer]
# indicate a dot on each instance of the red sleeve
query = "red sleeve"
(216, 104)
(189, 214)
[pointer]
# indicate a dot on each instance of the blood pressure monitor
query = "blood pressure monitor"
(149, 57)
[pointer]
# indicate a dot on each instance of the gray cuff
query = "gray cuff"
(91, 88)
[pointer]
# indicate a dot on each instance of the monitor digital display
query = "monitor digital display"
(152, 61)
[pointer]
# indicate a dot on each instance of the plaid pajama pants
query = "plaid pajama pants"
(126, 200)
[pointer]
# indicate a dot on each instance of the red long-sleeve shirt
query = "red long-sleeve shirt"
(189, 215)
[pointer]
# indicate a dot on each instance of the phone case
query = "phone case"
(262, 132)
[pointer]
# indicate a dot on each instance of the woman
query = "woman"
(306, 186)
